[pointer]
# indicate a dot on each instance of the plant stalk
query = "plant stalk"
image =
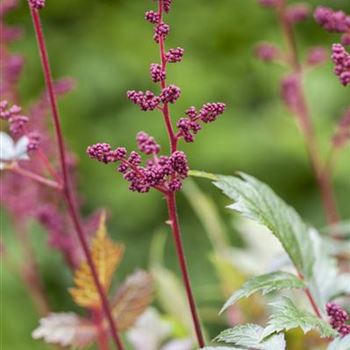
(67, 193)
(174, 222)
(171, 200)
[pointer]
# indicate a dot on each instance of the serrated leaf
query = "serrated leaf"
(250, 336)
(132, 299)
(265, 283)
(287, 316)
(66, 329)
(326, 282)
(106, 256)
(257, 201)
(340, 343)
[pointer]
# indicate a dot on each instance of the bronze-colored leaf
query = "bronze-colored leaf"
(106, 256)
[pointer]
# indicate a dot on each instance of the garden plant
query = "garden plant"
(287, 286)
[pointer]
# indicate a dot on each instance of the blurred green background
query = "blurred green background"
(107, 47)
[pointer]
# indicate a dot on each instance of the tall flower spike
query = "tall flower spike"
(164, 173)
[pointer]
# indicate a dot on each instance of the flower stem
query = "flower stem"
(67, 193)
(322, 175)
(171, 198)
(171, 202)
(165, 109)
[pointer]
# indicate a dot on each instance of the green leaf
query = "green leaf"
(208, 214)
(265, 283)
(257, 201)
(286, 316)
(251, 336)
(340, 343)
(168, 288)
(203, 174)
(326, 283)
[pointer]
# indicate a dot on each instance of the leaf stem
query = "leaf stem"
(322, 175)
(67, 193)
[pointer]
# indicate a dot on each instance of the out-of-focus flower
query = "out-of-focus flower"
(290, 91)
(316, 55)
(151, 331)
(342, 135)
(12, 151)
(332, 21)
(297, 12)
(267, 52)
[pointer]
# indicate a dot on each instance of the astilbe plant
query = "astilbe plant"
(310, 263)
(164, 173)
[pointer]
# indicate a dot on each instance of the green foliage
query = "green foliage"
(270, 282)
(326, 282)
(258, 202)
(306, 249)
(287, 316)
(251, 336)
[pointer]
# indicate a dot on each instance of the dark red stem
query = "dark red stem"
(322, 174)
(174, 222)
(165, 109)
(67, 193)
(171, 199)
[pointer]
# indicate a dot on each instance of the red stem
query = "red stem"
(165, 110)
(311, 299)
(322, 175)
(171, 202)
(102, 339)
(67, 193)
